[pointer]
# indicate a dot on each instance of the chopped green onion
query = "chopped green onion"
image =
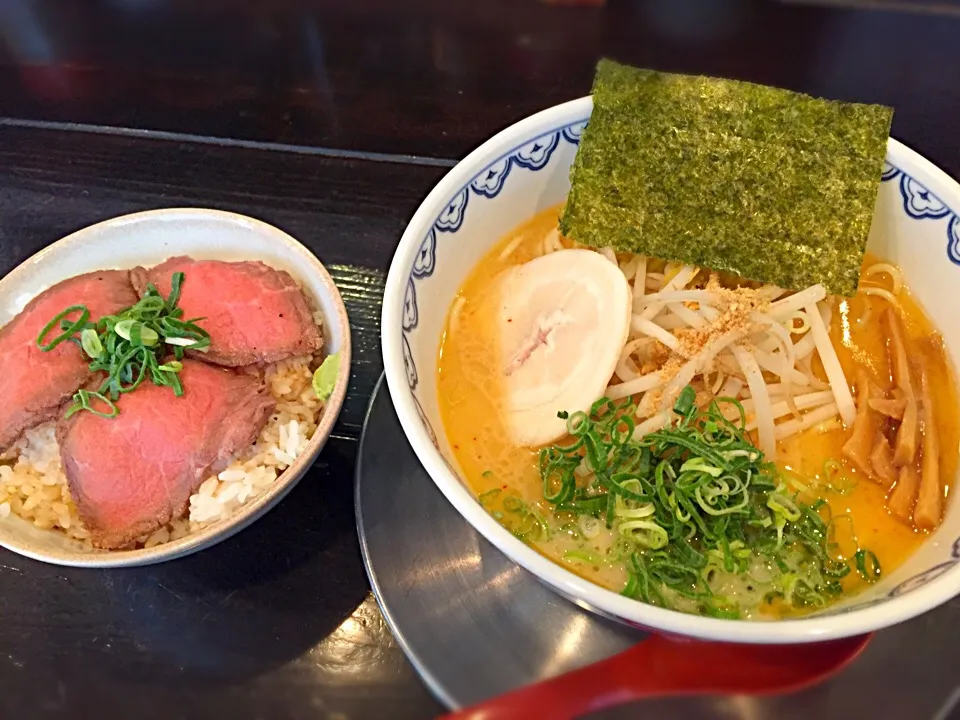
(868, 565)
(68, 331)
(181, 341)
(130, 346)
(489, 495)
(136, 332)
(176, 282)
(90, 342)
(644, 533)
(82, 402)
(691, 501)
(584, 556)
(525, 522)
(784, 506)
(834, 480)
(686, 402)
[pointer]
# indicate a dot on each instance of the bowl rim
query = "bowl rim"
(584, 593)
(308, 265)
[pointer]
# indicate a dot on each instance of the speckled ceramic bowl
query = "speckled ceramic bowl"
(525, 169)
(144, 239)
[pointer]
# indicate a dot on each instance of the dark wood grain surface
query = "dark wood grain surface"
(330, 120)
(434, 78)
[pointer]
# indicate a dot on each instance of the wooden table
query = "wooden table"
(330, 120)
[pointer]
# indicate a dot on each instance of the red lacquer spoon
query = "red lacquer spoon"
(661, 667)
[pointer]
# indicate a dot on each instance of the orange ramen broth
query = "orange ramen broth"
(857, 336)
(470, 396)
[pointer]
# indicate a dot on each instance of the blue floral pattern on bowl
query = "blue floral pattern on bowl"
(921, 579)
(451, 218)
(426, 257)
(411, 316)
(918, 203)
(536, 154)
(921, 204)
(953, 239)
(490, 183)
(412, 379)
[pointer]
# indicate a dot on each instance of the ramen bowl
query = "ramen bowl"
(525, 169)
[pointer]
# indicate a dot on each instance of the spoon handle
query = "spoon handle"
(662, 667)
(599, 685)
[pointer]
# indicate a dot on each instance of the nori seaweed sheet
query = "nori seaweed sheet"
(772, 185)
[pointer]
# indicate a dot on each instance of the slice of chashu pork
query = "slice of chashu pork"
(563, 320)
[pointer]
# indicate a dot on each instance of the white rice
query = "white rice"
(34, 487)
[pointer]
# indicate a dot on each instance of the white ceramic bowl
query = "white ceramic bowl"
(525, 169)
(147, 238)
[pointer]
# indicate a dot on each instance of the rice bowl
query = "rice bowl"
(38, 517)
(34, 487)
